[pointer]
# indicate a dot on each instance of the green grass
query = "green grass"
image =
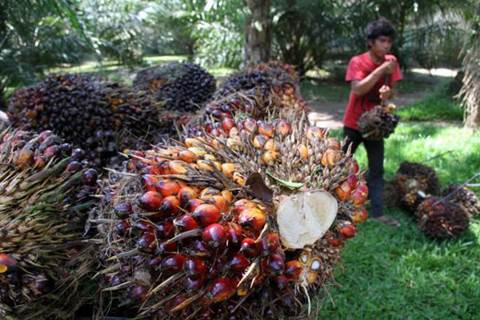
(390, 273)
(436, 106)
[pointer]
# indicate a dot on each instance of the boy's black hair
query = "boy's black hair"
(380, 27)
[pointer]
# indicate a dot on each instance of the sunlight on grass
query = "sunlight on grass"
(393, 273)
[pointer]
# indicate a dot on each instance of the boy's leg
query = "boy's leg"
(375, 153)
(354, 138)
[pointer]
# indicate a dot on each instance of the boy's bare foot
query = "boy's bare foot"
(387, 220)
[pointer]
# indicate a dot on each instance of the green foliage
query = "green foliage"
(391, 273)
(438, 106)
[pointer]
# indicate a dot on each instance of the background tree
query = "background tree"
(470, 91)
(258, 34)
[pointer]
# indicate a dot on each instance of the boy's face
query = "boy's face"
(381, 45)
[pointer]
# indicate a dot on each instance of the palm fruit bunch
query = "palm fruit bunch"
(99, 116)
(414, 182)
(45, 196)
(464, 197)
(183, 87)
(378, 123)
(441, 219)
(240, 226)
(275, 80)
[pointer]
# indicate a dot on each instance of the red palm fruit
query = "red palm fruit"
(168, 247)
(122, 227)
(51, 151)
(6, 263)
(217, 132)
(123, 209)
(243, 204)
(347, 230)
(168, 187)
(166, 230)
(352, 181)
(138, 293)
(73, 166)
(293, 269)
(219, 201)
(250, 125)
(360, 195)
(259, 141)
(195, 268)
(343, 191)
(281, 282)
(185, 223)
(162, 168)
(249, 248)
(359, 215)
(150, 200)
(276, 263)
(227, 124)
(193, 204)
(214, 236)
(185, 194)
(155, 262)
(333, 240)
(147, 242)
(234, 233)
(206, 214)
(221, 289)
(252, 218)
(238, 263)
(283, 128)
(173, 263)
(194, 284)
(269, 243)
(330, 157)
(144, 226)
(149, 181)
(169, 206)
(187, 156)
(266, 129)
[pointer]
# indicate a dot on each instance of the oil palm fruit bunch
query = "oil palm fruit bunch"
(239, 226)
(464, 197)
(98, 116)
(440, 218)
(183, 87)
(414, 182)
(378, 123)
(45, 196)
(276, 80)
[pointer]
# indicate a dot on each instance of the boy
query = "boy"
(372, 75)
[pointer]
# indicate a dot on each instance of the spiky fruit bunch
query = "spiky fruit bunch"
(414, 182)
(377, 123)
(99, 116)
(463, 197)
(227, 228)
(45, 195)
(184, 87)
(441, 219)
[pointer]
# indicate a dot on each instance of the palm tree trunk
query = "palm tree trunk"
(258, 35)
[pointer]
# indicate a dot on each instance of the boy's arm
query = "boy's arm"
(361, 87)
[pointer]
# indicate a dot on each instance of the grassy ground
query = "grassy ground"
(390, 273)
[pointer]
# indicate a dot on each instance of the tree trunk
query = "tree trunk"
(258, 34)
(470, 91)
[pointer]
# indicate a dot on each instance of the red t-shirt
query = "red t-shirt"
(359, 68)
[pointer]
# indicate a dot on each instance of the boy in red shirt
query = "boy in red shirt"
(372, 75)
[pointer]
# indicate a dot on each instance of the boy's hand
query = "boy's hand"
(385, 92)
(388, 66)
